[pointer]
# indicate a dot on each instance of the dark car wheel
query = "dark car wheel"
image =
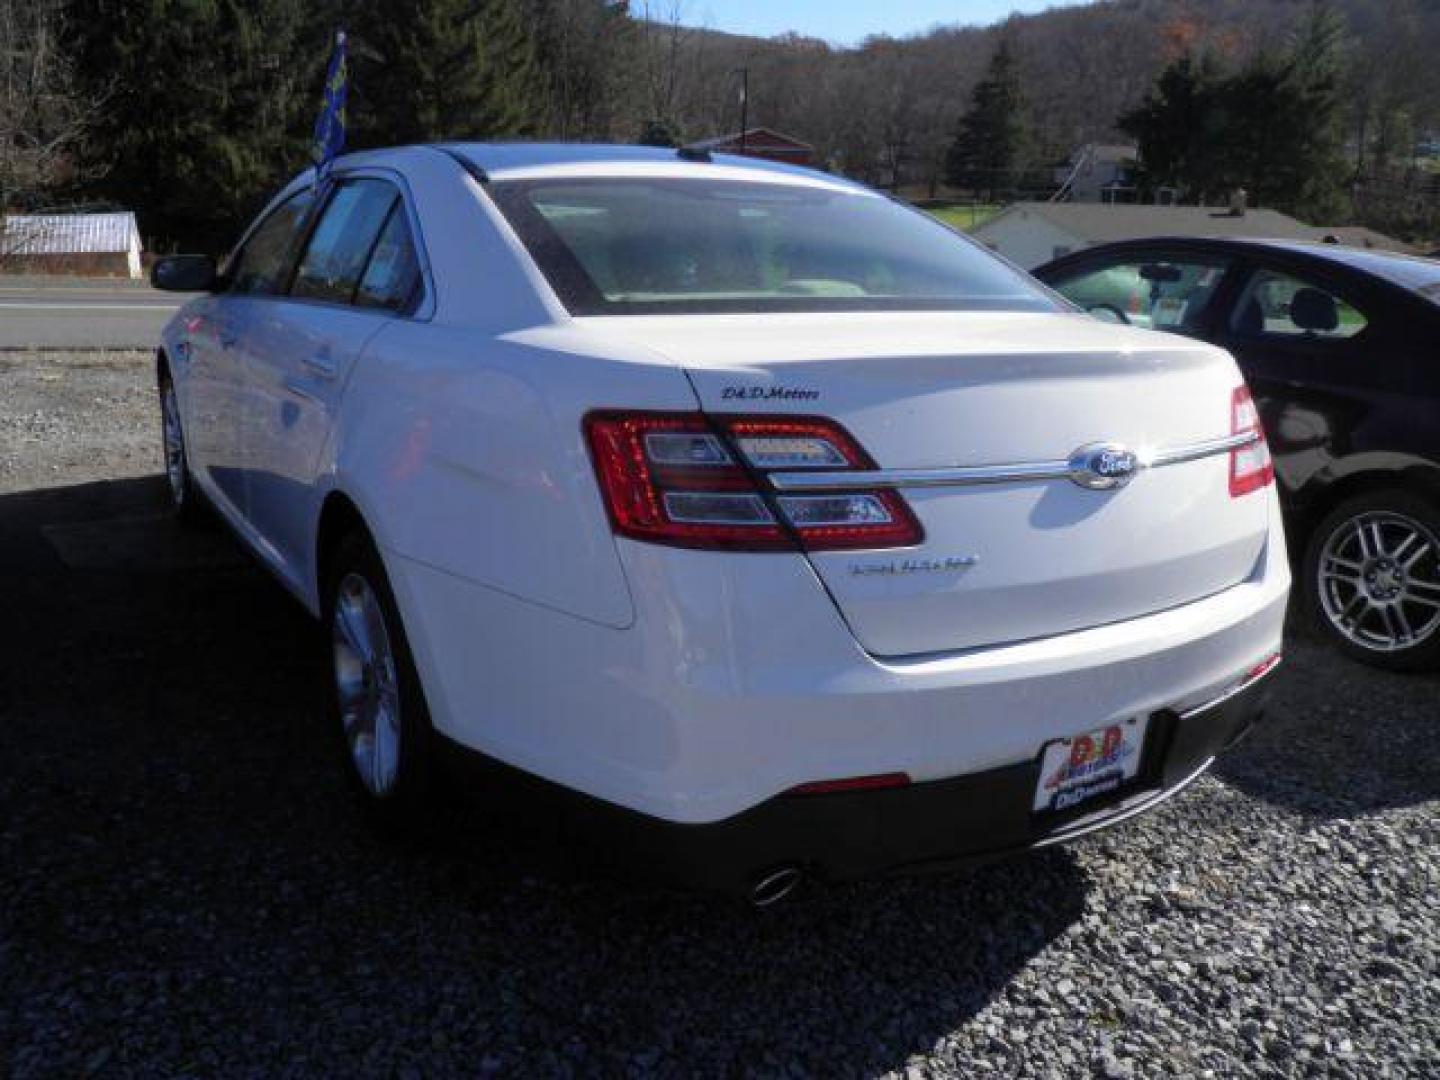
(184, 497)
(375, 700)
(1372, 578)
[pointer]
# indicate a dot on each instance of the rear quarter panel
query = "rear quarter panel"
(468, 455)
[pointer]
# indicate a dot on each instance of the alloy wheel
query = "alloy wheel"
(1379, 581)
(365, 683)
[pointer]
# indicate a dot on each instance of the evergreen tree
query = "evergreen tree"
(1272, 128)
(1177, 127)
(445, 69)
(987, 152)
(206, 105)
(1315, 78)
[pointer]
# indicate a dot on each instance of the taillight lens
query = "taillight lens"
(689, 480)
(1250, 466)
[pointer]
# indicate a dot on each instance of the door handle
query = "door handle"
(321, 364)
(300, 389)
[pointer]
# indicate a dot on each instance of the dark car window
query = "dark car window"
(259, 268)
(393, 273)
(1276, 305)
(340, 246)
(1157, 293)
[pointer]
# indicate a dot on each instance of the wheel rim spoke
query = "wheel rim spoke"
(1354, 611)
(352, 625)
(1409, 564)
(1377, 538)
(1387, 619)
(1363, 536)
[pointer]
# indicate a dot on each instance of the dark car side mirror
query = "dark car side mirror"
(184, 273)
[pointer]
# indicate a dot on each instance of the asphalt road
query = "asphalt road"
(187, 890)
(81, 313)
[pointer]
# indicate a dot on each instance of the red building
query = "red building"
(761, 143)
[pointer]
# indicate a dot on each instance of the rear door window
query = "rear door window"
(1157, 293)
(392, 277)
(261, 266)
(340, 247)
(1276, 305)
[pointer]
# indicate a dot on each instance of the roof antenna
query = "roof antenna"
(693, 153)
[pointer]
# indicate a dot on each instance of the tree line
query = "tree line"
(190, 111)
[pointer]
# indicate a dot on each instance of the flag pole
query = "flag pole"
(329, 138)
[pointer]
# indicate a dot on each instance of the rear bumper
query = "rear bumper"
(922, 827)
(739, 681)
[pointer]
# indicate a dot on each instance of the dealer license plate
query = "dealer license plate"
(1076, 770)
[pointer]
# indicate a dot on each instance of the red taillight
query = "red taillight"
(670, 479)
(1250, 466)
(690, 481)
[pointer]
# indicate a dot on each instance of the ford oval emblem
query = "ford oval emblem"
(1102, 466)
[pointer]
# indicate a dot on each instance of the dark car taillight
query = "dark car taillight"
(689, 480)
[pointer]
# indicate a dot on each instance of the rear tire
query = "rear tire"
(375, 702)
(1372, 580)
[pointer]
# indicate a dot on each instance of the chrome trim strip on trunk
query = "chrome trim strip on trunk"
(971, 475)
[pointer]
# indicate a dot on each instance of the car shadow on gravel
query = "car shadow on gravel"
(1340, 739)
(190, 888)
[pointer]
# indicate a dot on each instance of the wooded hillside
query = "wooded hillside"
(189, 111)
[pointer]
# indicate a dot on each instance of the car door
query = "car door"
(215, 377)
(358, 269)
(1309, 347)
(1173, 289)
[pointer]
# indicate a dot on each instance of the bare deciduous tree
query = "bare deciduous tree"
(43, 116)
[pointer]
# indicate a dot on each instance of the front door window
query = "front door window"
(1156, 293)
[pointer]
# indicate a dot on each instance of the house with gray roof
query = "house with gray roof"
(1032, 233)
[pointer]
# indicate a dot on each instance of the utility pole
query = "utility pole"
(744, 104)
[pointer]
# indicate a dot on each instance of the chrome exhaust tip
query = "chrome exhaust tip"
(775, 886)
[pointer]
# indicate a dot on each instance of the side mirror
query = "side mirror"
(184, 273)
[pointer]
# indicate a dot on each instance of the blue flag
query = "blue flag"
(329, 141)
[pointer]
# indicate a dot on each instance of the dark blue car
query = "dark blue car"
(1341, 347)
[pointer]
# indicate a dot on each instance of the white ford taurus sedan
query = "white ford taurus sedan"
(786, 529)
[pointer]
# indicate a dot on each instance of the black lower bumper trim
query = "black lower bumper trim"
(976, 817)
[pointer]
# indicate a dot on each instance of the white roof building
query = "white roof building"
(1032, 233)
(33, 237)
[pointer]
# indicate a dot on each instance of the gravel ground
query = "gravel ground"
(69, 416)
(185, 888)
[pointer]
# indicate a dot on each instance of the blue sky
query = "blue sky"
(845, 22)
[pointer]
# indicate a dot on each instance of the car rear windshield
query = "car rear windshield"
(617, 246)
(1407, 271)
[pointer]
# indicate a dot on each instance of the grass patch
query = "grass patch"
(964, 216)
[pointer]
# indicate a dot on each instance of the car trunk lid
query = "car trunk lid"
(1032, 555)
